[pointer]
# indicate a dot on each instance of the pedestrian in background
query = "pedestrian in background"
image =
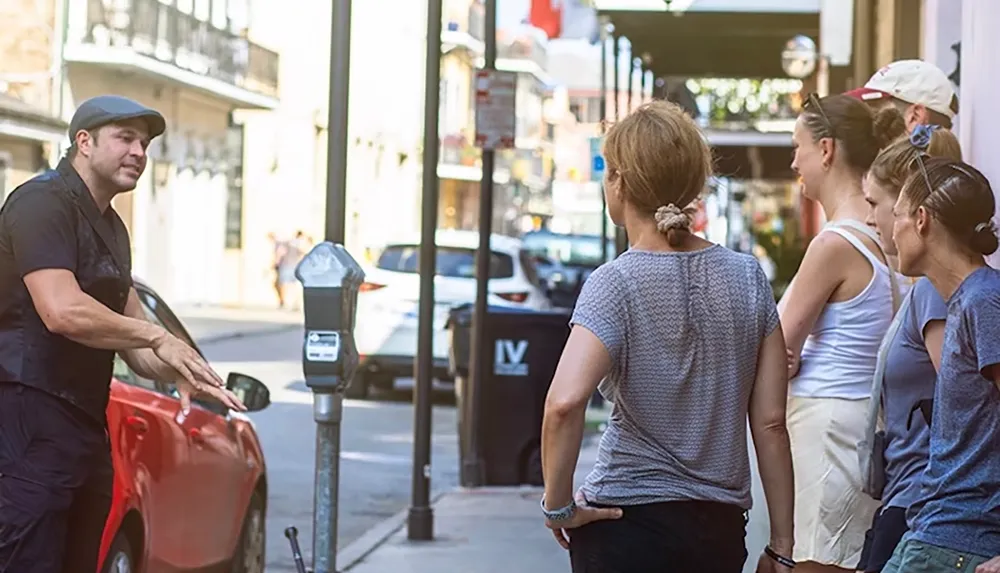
(66, 306)
(908, 358)
(943, 229)
(834, 314)
(918, 89)
(685, 335)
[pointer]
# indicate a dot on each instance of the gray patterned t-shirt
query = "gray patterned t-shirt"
(684, 331)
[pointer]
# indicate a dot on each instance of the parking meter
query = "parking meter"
(330, 280)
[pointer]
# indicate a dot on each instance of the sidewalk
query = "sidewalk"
(497, 530)
(208, 324)
(484, 530)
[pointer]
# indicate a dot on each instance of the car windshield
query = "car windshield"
(451, 262)
(577, 250)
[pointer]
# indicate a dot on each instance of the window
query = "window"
(234, 191)
(158, 313)
(124, 374)
(451, 262)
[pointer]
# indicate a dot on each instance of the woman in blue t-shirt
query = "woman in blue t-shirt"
(943, 229)
(911, 354)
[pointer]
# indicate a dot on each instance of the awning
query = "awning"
(713, 38)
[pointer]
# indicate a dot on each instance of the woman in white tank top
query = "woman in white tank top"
(834, 316)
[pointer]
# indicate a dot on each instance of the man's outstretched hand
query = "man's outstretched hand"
(193, 375)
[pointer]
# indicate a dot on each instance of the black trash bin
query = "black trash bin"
(500, 420)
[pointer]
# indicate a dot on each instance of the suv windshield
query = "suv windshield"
(576, 250)
(451, 262)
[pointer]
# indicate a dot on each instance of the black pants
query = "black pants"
(677, 536)
(55, 484)
(888, 528)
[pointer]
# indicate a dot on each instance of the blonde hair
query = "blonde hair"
(896, 162)
(663, 162)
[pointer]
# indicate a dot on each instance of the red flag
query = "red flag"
(547, 16)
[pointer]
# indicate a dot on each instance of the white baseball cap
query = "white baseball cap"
(913, 81)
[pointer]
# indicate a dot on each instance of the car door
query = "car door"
(217, 471)
(150, 457)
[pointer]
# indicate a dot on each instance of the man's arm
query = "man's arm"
(68, 311)
(144, 361)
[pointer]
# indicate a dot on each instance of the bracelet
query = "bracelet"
(781, 559)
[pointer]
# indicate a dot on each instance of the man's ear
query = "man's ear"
(84, 141)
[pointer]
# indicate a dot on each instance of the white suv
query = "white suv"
(386, 327)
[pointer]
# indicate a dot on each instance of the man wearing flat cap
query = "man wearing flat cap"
(66, 307)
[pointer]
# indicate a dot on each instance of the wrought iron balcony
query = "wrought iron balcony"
(163, 32)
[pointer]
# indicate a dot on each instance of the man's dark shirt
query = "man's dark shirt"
(50, 222)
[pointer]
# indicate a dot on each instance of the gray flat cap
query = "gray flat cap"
(105, 109)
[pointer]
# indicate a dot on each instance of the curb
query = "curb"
(211, 339)
(362, 547)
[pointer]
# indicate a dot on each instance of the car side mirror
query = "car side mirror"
(252, 392)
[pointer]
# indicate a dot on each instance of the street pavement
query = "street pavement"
(376, 435)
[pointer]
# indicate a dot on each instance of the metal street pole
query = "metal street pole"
(616, 51)
(420, 522)
(473, 463)
(633, 64)
(328, 404)
(621, 241)
(604, 118)
(336, 129)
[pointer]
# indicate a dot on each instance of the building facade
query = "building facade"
(196, 62)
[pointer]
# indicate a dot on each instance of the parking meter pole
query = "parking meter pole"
(472, 464)
(328, 408)
(330, 279)
(420, 520)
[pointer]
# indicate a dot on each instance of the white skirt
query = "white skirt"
(832, 514)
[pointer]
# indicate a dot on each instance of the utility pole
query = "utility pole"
(420, 522)
(336, 127)
(604, 119)
(480, 317)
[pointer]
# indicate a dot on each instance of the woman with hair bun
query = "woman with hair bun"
(943, 230)
(683, 336)
(909, 356)
(834, 314)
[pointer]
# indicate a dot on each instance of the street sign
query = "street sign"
(496, 123)
(596, 160)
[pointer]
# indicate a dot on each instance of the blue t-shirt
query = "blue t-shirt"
(909, 380)
(960, 498)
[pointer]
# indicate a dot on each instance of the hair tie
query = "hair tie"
(671, 217)
(921, 136)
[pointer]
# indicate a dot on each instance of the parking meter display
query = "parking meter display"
(323, 346)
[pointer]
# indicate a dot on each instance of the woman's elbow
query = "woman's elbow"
(560, 407)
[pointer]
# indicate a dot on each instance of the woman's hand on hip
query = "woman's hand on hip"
(583, 515)
(991, 566)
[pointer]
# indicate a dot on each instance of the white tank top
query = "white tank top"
(838, 358)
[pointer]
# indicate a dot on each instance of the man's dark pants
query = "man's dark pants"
(56, 480)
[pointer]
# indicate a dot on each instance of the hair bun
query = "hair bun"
(887, 126)
(671, 217)
(984, 238)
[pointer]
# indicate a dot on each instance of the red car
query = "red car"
(190, 491)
